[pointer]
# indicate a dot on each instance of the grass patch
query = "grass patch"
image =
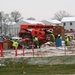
(38, 66)
(27, 69)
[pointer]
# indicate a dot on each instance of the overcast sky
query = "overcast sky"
(39, 9)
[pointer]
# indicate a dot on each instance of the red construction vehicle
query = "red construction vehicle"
(42, 31)
(28, 31)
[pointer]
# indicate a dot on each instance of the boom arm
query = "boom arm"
(34, 26)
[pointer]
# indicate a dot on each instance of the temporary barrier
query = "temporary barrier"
(1, 52)
(16, 51)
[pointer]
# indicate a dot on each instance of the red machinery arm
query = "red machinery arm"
(34, 26)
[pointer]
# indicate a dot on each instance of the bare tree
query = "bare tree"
(31, 18)
(16, 16)
(1, 18)
(59, 15)
(5, 23)
(1, 15)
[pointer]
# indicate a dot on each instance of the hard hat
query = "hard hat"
(58, 34)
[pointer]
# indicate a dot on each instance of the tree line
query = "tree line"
(15, 16)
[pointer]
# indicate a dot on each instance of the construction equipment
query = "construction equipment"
(42, 31)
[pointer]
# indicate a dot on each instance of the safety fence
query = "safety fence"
(40, 52)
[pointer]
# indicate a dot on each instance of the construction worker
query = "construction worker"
(15, 43)
(58, 41)
(53, 37)
(35, 40)
(66, 40)
(60, 36)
